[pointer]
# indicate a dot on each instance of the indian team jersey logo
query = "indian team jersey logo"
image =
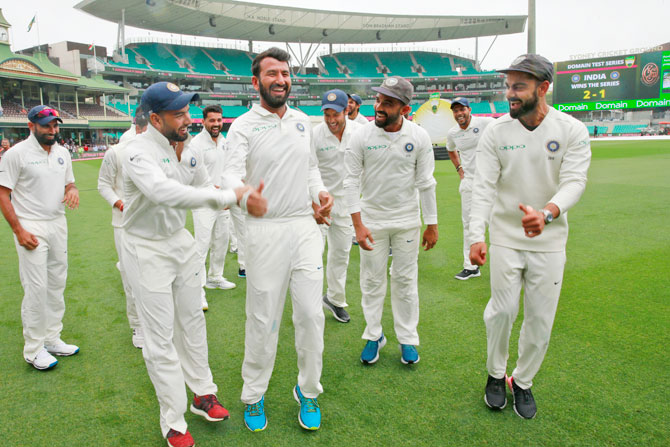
(61, 161)
(553, 146)
(193, 162)
(475, 130)
(300, 127)
(409, 147)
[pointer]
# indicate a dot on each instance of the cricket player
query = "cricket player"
(531, 169)
(330, 140)
(354, 108)
(37, 172)
(162, 179)
(462, 144)
(211, 226)
(272, 142)
(389, 171)
(110, 187)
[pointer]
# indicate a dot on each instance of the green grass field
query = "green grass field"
(603, 383)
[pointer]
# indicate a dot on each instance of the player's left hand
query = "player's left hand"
(326, 202)
(532, 221)
(429, 237)
(71, 199)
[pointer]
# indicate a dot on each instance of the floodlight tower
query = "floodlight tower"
(531, 26)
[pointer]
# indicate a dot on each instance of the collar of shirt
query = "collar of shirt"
(404, 130)
(163, 142)
(262, 111)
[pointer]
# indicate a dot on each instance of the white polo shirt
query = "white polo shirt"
(263, 146)
(515, 165)
(386, 175)
(128, 134)
(110, 180)
(360, 119)
(330, 155)
(37, 179)
(213, 153)
(465, 142)
(159, 188)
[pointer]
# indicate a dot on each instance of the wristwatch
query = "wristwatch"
(548, 216)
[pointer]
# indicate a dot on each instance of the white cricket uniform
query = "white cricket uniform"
(330, 155)
(515, 165)
(465, 142)
(211, 226)
(164, 268)
(387, 174)
(110, 187)
(128, 134)
(283, 248)
(37, 179)
(360, 119)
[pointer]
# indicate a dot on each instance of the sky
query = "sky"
(565, 28)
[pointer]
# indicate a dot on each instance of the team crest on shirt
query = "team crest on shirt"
(409, 147)
(193, 162)
(300, 127)
(61, 161)
(553, 146)
(475, 130)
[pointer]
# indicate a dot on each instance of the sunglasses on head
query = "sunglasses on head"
(47, 112)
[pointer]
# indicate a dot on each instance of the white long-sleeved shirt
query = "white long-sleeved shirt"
(213, 154)
(159, 188)
(37, 179)
(465, 142)
(128, 134)
(515, 165)
(330, 155)
(263, 146)
(386, 176)
(360, 119)
(110, 180)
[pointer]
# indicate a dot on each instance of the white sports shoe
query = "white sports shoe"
(138, 338)
(43, 360)
(61, 348)
(220, 283)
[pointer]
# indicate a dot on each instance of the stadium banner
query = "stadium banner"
(611, 83)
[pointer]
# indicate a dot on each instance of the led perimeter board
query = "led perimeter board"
(616, 82)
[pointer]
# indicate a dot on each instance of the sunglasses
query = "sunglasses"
(47, 112)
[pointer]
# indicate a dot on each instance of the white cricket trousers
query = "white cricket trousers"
(131, 308)
(465, 189)
(338, 235)
(211, 228)
(283, 254)
(165, 278)
(239, 227)
(541, 275)
(404, 288)
(43, 273)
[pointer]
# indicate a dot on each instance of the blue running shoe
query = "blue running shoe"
(370, 353)
(254, 416)
(409, 354)
(309, 416)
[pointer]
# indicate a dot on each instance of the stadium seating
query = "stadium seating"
(481, 107)
(159, 57)
(501, 106)
(627, 128)
(132, 61)
(330, 64)
(360, 65)
(434, 64)
(236, 61)
(399, 63)
(468, 66)
(196, 57)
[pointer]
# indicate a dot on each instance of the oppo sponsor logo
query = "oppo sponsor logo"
(511, 147)
(377, 147)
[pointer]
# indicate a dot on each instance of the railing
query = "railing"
(191, 41)
(396, 47)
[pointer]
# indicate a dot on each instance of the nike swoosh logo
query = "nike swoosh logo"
(556, 283)
(133, 157)
(410, 241)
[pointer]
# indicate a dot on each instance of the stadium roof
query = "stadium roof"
(230, 19)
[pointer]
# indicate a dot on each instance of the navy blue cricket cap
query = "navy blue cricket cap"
(163, 96)
(334, 99)
(533, 64)
(43, 115)
(356, 98)
(462, 101)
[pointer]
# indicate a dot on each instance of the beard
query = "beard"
(45, 138)
(173, 135)
(273, 101)
(214, 131)
(525, 107)
(385, 120)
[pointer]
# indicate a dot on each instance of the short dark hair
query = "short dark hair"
(214, 108)
(275, 53)
(141, 119)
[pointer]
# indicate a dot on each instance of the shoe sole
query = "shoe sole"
(327, 306)
(379, 348)
(493, 407)
(407, 362)
(297, 399)
(204, 414)
(508, 381)
(213, 287)
(467, 277)
(62, 354)
(41, 369)
(258, 429)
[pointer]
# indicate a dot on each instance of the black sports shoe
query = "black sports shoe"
(466, 274)
(242, 273)
(495, 395)
(524, 403)
(339, 313)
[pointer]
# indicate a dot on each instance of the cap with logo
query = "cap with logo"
(462, 101)
(356, 98)
(396, 87)
(165, 96)
(43, 115)
(533, 64)
(334, 99)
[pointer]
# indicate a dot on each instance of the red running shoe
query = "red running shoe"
(208, 406)
(176, 439)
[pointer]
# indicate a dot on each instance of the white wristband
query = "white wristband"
(243, 200)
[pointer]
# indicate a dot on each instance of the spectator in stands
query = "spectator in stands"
(2, 111)
(4, 146)
(353, 109)
(38, 174)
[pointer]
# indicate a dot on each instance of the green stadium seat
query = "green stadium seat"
(159, 57)
(399, 63)
(237, 62)
(481, 107)
(360, 65)
(331, 66)
(434, 64)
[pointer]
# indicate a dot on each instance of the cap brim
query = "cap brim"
(181, 101)
(523, 70)
(387, 92)
(47, 119)
(453, 103)
(335, 107)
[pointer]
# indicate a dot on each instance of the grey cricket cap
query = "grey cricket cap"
(533, 64)
(396, 87)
